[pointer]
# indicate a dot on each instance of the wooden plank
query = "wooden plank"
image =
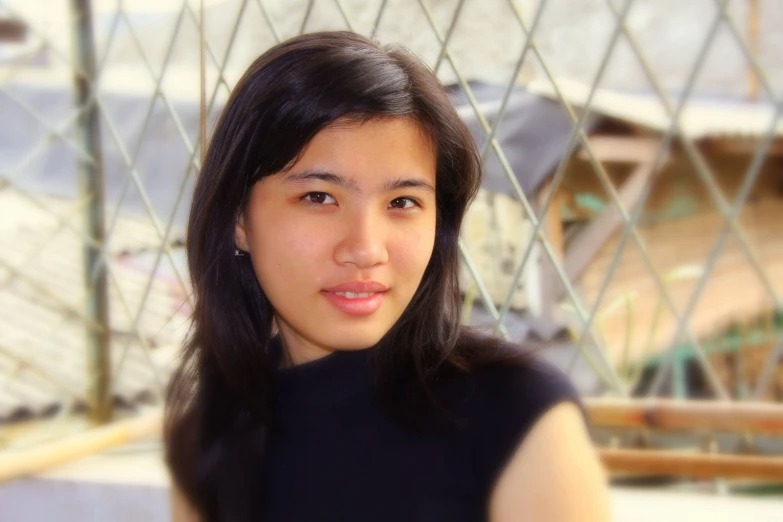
(553, 221)
(14, 464)
(588, 243)
(623, 149)
(741, 146)
(676, 184)
(682, 464)
(553, 232)
(667, 414)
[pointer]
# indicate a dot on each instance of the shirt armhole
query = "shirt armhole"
(509, 403)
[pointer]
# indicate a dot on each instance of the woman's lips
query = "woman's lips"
(356, 297)
(356, 305)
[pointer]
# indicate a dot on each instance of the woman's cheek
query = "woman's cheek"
(412, 255)
(416, 242)
(299, 236)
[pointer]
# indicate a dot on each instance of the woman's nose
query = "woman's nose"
(363, 242)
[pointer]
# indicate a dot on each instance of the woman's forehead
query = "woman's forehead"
(365, 154)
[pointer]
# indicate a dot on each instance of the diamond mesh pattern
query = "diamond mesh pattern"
(636, 318)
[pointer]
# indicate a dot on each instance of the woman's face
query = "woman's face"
(340, 241)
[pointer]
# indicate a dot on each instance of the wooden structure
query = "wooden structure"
(678, 228)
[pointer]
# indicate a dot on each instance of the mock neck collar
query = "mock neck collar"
(328, 382)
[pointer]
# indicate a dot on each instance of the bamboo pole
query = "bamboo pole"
(753, 44)
(681, 464)
(15, 464)
(666, 414)
(90, 173)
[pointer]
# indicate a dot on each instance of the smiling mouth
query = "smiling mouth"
(356, 303)
(355, 295)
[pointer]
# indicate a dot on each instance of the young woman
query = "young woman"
(327, 376)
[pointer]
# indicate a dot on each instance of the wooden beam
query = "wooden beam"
(623, 149)
(553, 232)
(553, 220)
(667, 414)
(682, 464)
(19, 463)
(745, 146)
(584, 247)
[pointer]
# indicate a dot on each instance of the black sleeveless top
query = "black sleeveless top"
(336, 455)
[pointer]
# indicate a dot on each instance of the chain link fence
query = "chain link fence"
(631, 216)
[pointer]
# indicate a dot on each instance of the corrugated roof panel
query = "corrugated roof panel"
(699, 118)
(43, 355)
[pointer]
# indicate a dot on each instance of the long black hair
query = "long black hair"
(219, 401)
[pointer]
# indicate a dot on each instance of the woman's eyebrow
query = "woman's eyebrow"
(402, 183)
(319, 175)
(343, 182)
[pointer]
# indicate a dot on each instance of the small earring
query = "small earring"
(239, 253)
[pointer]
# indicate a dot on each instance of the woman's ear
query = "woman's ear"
(240, 233)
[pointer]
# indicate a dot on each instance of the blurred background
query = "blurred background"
(631, 220)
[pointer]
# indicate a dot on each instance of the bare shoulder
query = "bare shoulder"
(554, 474)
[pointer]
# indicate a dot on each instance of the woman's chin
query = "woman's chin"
(356, 343)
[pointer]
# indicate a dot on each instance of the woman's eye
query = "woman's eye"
(319, 198)
(403, 203)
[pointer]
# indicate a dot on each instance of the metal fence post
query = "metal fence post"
(90, 174)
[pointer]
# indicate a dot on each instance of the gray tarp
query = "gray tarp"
(533, 134)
